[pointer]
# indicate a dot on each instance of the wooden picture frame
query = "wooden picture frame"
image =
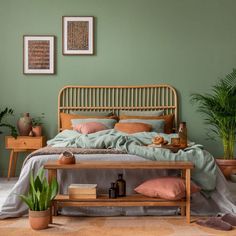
(77, 35)
(38, 54)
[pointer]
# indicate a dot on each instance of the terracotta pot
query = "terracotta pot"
(226, 166)
(37, 130)
(39, 219)
(66, 158)
(24, 125)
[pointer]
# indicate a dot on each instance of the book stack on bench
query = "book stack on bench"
(82, 191)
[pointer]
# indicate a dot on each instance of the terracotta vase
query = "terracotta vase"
(39, 219)
(37, 130)
(227, 167)
(24, 124)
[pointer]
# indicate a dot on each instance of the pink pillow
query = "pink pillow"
(170, 188)
(90, 127)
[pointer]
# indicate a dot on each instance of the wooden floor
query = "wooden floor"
(111, 226)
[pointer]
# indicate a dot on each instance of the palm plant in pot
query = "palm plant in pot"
(4, 113)
(219, 110)
(39, 198)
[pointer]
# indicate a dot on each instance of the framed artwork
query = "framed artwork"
(77, 35)
(38, 54)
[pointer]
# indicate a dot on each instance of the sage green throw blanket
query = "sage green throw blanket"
(204, 173)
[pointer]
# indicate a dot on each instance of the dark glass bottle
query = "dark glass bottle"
(112, 191)
(120, 186)
(183, 134)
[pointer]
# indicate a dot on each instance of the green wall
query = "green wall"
(185, 43)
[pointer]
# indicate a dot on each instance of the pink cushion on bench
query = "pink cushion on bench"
(170, 188)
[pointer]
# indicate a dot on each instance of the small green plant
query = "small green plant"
(3, 115)
(37, 121)
(41, 193)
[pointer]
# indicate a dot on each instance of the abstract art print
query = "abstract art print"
(38, 54)
(77, 35)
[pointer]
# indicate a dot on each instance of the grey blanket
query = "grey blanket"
(204, 173)
(58, 150)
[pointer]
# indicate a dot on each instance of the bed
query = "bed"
(113, 145)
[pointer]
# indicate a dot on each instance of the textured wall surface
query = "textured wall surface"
(186, 43)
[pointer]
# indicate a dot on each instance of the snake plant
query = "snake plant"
(41, 193)
(219, 110)
(3, 115)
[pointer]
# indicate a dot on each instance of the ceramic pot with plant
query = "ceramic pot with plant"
(3, 123)
(37, 125)
(219, 110)
(39, 198)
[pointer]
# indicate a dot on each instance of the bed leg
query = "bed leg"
(182, 210)
(55, 209)
(51, 212)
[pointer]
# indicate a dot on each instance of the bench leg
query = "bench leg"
(183, 208)
(51, 174)
(188, 195)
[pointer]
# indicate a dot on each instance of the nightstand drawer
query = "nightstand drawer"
(24, 142)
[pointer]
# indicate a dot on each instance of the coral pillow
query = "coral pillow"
(169, 120)
(157, 125)
(170, 188)
(65, 119)
(131, 128)
(90, 127)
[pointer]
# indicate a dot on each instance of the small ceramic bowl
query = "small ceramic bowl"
(66, 158)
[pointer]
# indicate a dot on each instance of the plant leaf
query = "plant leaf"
(28, 201)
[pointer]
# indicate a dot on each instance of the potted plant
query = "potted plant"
(37, 125)
(39, 198)
(3, 115)
(219, 110)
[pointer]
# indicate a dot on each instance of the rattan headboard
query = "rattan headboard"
(115, 98)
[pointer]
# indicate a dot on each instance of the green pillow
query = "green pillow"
(92, 113)
(141, 113)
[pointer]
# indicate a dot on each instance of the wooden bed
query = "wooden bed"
(116, 98)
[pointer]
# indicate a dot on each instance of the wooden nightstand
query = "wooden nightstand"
(21, 144)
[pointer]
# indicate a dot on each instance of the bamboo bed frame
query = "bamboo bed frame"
(116, 98)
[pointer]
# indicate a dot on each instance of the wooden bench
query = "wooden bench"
(131, 200)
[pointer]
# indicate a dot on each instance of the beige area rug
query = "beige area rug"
(110, 226)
